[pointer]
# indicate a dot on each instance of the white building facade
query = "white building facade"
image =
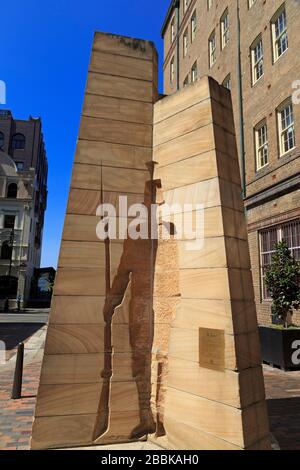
(20, 251)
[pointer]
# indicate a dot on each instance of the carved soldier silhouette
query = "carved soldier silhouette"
(149, 268)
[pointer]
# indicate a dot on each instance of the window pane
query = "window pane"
(280, 24)
(288, 232)
(262, 146)
(280, 33)
(18, 142)
(269, 238)
(9, 221)
(194, 72)
(291, 234)
(257, 59)
(287, 131)
(20, 166)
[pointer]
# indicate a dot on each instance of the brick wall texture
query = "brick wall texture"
(272, 193)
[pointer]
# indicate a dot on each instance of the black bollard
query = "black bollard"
(17, 386)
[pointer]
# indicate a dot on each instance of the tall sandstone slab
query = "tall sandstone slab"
(214, 396)
(152, 337)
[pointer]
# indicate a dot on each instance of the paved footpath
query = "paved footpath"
(283, 399)
(282, 390)
(16, 415)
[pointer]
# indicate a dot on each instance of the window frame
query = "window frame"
(172, 31)
(224, 31)
(275, 38)
(279, 230)
(193, 26)
(260, 147)
(4, 221)
(212, 51)
(6, 251)
(194, 72)
(185, 42)
(255, 62)
(20, 164)
(15, 192)
(14, 140)
(284, 130)
(227, 80)
(172, 70)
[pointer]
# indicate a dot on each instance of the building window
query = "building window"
(268, 241)
(186, 81)
(251, 3)
(20, 166)
(227, 82)
(288, 232)
(193, 26)
(172, 31)
(209, 4)
(12, 191)
(212, 49)
(286, 127)
(261, 145)
(194, 74)
(224, 29)
(1, 140)
(257, 60)
(172, 70)
(6, 251)
(9, 221)
(279, 33)
(18, 142)
(185, 42)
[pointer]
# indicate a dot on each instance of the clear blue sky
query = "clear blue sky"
(45, 48)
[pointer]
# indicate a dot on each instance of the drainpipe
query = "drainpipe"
(177, 6)
(241, 107)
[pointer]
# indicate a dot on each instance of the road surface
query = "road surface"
(32, 316)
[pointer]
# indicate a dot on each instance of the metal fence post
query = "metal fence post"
(17, 385)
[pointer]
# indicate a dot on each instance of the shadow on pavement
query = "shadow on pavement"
(284, 415)
(14, 333)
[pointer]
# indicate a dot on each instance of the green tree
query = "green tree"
(282, 280)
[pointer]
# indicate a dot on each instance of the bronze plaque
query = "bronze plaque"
(212, 349)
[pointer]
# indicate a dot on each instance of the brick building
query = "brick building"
(251, 47)
(23, 199)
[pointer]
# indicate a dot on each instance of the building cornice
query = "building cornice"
(277, 190)
(174, 4)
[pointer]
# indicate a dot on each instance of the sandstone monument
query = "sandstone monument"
(148, 337)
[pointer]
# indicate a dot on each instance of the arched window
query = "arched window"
(12, 190)
(6, 250)
(18, 142)
(1, 140)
